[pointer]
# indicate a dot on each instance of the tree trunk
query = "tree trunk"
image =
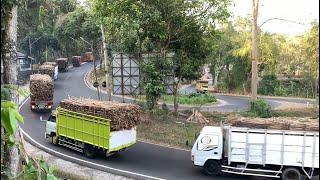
(216, 76)
(175, 100)
(9, 52)
(107, 64)
(228, 75)
(9, 61)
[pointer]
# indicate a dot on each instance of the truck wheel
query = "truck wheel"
(291, 174)
(88, 151)
(54, 140)
(212, 168)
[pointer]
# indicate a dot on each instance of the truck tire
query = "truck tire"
(88, 151)
(212, 168)
(291, 174)
(54, 139)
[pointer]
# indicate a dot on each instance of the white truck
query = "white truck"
(257, 152)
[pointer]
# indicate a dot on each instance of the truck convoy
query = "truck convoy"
(41, 89)
(259, 152)
(90, 126)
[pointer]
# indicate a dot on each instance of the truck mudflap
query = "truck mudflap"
(122, 139)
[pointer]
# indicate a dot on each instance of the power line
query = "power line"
(285, 20)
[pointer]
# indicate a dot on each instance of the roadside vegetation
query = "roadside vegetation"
(191, 99)
(163, 127)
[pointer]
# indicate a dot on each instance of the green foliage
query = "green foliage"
(192, 99)
(162, 26)
(76, 24)
(37, 169)
(268, 84)
(260, 108)
(10, 117)
(153, 82)
(280, 91)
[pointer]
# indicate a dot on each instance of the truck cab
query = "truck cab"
(202, 86)
(276, 153)
(209, 145)
(51, 125)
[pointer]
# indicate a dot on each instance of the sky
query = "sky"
(301, 11)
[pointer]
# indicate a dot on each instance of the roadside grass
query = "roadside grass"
(194, 99)
(64, 174)
(305, 112)
(167, 129)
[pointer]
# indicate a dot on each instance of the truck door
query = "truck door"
(51, 125)
(208, 146)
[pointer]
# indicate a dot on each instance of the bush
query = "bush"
(268, 85)
(197, 99)
(280, 91)
(260, 108)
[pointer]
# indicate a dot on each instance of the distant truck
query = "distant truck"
(41, 89)
(202, 86)
(86, 133)
(258, 152)
(62, 64)
(55, 65)
(76, 61)
(88, 56)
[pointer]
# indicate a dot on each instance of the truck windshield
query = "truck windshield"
(52, 118)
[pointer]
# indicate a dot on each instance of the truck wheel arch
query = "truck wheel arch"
(291, 173)
(212, 167)
(54, 138)
(88, 150)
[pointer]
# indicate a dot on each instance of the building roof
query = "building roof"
(21, 55)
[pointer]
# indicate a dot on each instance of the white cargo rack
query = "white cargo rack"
(271, 147)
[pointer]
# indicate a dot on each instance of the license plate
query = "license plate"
(41, 106)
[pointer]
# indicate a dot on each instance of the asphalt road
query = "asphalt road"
(145, 159)
(240, 103)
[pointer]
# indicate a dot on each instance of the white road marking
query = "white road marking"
(88, 162)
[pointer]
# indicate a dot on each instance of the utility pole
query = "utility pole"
(94, 64)
(30, 47)
(254, 80)
(106, 64)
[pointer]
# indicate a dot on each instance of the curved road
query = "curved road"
(143, 160)
(240, 103)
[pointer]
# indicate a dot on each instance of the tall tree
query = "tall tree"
(166, 26)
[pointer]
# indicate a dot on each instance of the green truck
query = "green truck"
(86, 133)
